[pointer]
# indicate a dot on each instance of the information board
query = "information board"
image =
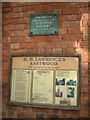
(45, 81)
(44, 24)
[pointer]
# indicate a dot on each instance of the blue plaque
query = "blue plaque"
(44, 24)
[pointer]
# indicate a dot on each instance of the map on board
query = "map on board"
(42, 86)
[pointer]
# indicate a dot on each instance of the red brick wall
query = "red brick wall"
(72, 39)
(89, 56)
(0, 59)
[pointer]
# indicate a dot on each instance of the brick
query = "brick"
(89, 15)
(70, 11)
(59, 11)
(25, 114)
(9, 27)
(47, 38)
(24, 32)
(85, 51)
(68, 51)
(89, 65)
(5, 71)
(35, 110)
(6, 33)
(27, 3)
(15, 46)
(84, 30)
(5, 92)
(85, 37)
(27, 8)
(83, 113)
(45, 51)
(88, 23)
(14, 4)
(85, 66)
(54, 116)
(71, 17)
(62, 31)
(20, 26)
(4, 106)
(25, 108)
(32, 3)
(16, 33)
(5, 4)
(84, 83)
(0, 101)
(74, 114)
(12, 114)
(18, 39)
(44, 8)
(79, 16)
(24, 20)
(52, 45)
(5, 65)
(14, 20)
(11, 15)
(84, 10)
(63, 18)
(27, 14)
(74, 31)
(72, 24)
(84, 104)
(71, 44)
(57, 51)
(84, 89)
(5, 114)
(84, 43)
(5, 46)
(82, 4)
(72, 37)
(85, 23)
(38, 10)
(79, 50)
(5, 79)
(28, 45)
(7, 9)
(0, 46)
(88, 30)
(6, 21)
(85, 73)
(64, 116)
(25, 51)
(5, 52)
(0, 54)
(65, 112)
(15, 108)
(85, 16)
(64, 5)
(16, 9)
(6, 39)
(85, 58)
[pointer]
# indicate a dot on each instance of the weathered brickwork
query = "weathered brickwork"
(72, 39)
(0, 59)
(89, 57)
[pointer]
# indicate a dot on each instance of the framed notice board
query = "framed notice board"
(45, 81)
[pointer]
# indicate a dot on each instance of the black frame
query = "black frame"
(47, 105)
